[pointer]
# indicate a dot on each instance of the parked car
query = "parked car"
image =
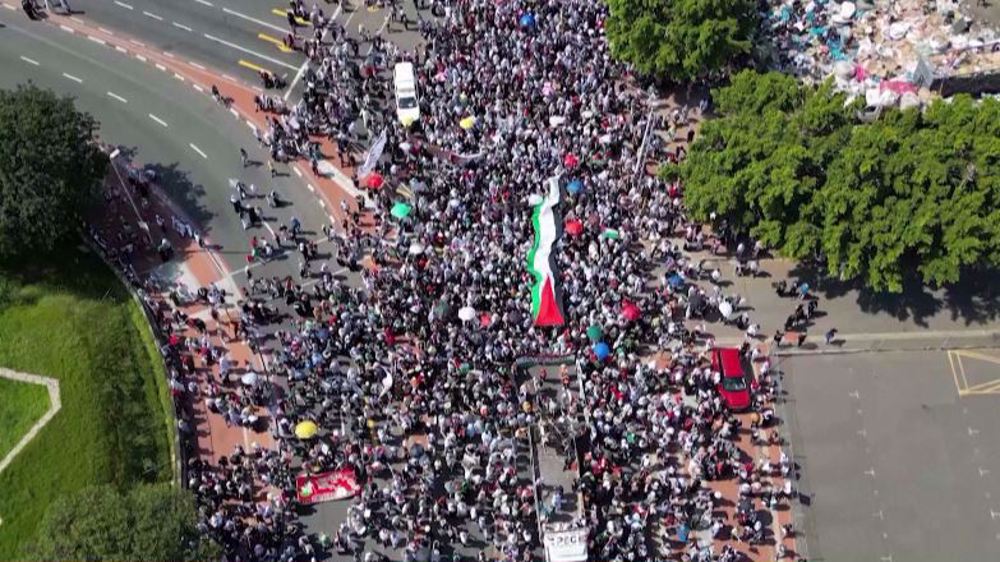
(737, 380)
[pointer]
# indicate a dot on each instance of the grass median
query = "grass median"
(68, 317)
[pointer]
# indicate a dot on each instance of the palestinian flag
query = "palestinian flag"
(546, 308)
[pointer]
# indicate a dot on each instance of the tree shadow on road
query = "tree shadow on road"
(974, 300)
(176, 184)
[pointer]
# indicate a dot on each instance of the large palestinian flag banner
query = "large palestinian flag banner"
(546, 309)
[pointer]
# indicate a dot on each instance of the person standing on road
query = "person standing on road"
(244, 157)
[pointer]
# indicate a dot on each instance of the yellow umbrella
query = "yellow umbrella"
(467, 123)
(306, 430)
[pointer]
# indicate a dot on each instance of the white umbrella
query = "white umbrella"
(249, 378)
(416, 249)
(466, 313)
(726, 309)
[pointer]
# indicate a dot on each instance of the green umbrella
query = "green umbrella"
(401, 210)
(611, 233)
(594, 333)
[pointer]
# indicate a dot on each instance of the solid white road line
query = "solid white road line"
(29, 61)
(152, 15)
(124, 5)
(117, 97)
(248, 51)
(73, 78)
(97, 40)
(181, 26)
(198, 150)
(279, 29)
(158, 120)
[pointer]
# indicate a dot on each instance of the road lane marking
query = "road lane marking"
(161, 67)
(158, 120)
(97, 40)
(181, 26)
(255, 20)
(297, 172)
(179, 77)
(248, 51)
(117, 97)
(140, 57)
(199, 88)
(152, 15)
(253, 66)
(228, 77)
(137, 42)
(284, 14)
(250, 124)
(198, 150)
(205, 3)
(13, 9)
(235, 113)
(277, 42)
(168, 54)
(30, 61)
(73, 78)
(106, 31)
(196, 65)
(124, 5)
(121, 49)
(310, 187)
(66, 28)
(385, 22)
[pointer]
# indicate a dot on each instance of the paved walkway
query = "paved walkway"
(55, 404)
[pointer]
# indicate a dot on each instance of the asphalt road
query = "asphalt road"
(192, 142)
(895, 463)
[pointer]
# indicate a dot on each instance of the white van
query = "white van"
(405, 82)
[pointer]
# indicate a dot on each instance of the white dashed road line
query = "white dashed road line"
(152, 15)
(279, 29)
(198, 150)
(137, 42)
(124, 5)
(140, 57)
(179, 77)
(13, 9)
(161, 67)
(66, 28)
(117, 97)
(235, 113)
(73, 78)
(29, 61)
(199, 88)
(121, 49)
(297, 172)
(181, 26)
(106, 31)
(158, 120)
(205, 3)
(249, 52)
(97, 40)
(196, 65)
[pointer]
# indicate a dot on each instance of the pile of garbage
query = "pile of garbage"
(887, 51)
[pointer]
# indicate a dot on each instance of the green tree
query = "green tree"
(909, 193)
(681, 39)
(50, 168)
(153, 522)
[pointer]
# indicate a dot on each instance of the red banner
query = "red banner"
(326, 486)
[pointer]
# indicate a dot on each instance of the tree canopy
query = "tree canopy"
(50, 168)
(681, 39)
(910, 192)
(152, 522)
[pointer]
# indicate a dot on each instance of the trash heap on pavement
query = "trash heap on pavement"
(886, 51)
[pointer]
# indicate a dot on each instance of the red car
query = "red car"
(736, 384)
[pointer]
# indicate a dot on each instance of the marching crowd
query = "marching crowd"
(426, 407)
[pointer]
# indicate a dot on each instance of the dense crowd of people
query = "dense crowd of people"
(424, 406)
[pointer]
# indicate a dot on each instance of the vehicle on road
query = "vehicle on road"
(735, 384)
(405, 83)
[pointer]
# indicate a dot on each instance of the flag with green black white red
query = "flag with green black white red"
(545, 306)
